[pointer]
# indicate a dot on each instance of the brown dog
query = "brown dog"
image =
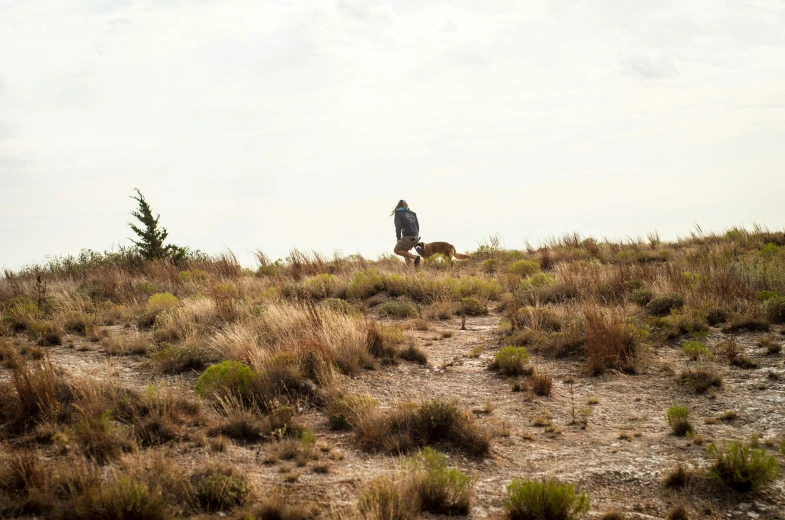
(444, 248)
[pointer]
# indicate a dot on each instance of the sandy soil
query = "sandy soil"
(618, 451)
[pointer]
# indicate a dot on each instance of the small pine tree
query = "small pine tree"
(151, 237)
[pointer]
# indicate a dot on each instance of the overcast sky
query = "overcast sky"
(274, 124)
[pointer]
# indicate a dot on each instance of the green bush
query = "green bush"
(766, 295)
(741, 466)
(679, 420)
(544, 500)
(775, 309)
(398, 309)
(663, 305)
(442, 490)
(694, 349)
(490, 266)
(642, 297)
(524, 267)
(161, 302)
(473, 307)
(364, 285)
(226, 377)
(321, 286)
(512, 361)
(220, 489)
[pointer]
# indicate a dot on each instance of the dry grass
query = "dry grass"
(610, 341)
(411, 425)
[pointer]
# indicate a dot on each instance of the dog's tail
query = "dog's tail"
(459, 256)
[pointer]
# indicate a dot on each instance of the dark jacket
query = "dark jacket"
(406, 222)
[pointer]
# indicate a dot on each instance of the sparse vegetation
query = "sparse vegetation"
(102, 354)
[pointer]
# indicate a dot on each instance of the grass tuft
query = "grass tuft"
(741, 466)
(544, 500)
(679, 420)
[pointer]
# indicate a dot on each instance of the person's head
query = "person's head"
(401, 204)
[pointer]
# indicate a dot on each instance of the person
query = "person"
(407, 232)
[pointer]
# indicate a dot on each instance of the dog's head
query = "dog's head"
(419, 247)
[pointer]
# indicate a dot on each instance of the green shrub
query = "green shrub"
(473, 307)
(544, 500)
(766, 295)
(642, 297)
(220, 489)
(694, 349)
(230, 377)
(741, 466)
(321, 286)
(364, 285)
(663, 305)
(490, 266)
(524, 267)
(442, 490)
(398, 309)
(161, 302)
(775, 309)
(269, 271)
(512, 361)
(678, 419)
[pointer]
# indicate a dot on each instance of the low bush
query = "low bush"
(775, 309)
(364, 285)
(663, 305)
(442, 490)
(694, 349)
(415, 354)
(220, 488)
(771, 344)
(544, 500)
(642, 297)
(741, 466)
(677, 513)
(746, 323)
(541, 383)
(228, 377)
(344, 411)
(524, 267)
(321, 286)
(512, 361)
(701, 379)
(176, 359)
(473, 307)
(677, 478)
(679, 420)
(430, 423)
(610, 342)
(398, 309)
(384, 498)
